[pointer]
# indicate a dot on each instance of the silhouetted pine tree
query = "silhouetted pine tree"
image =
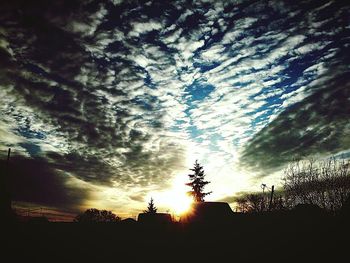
(197, 183)
(151, 208)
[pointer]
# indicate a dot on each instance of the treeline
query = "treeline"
(325, 184)
(97, 216)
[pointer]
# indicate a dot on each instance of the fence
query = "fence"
(52, 215)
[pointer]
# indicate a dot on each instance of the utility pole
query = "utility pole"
(271, 197)
(5, 191)
(8, 155)
(8, 182)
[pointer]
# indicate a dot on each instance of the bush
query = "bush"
(325, 184)
(94, 215)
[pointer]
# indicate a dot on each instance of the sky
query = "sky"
(108, 103)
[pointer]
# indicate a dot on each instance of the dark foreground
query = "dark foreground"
(263, 238)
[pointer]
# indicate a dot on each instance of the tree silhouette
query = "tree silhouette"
(197, 183)
(151, 208)
(94, 215)
(323, 183)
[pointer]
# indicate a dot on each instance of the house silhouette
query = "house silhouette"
(208, 212)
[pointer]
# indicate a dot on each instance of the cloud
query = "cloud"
(78, 114)
(143, 28)
(121, 95)
(34, 180)
(314, 126)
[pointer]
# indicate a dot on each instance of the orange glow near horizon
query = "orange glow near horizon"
(178, 202)
(175, 199)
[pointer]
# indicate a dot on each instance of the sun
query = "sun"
(175, 199)
(178, 201)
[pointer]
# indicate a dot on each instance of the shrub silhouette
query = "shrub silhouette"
(325, 184)
(94, 215)
(259, 202)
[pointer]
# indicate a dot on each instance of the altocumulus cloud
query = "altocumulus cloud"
(118, 94)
